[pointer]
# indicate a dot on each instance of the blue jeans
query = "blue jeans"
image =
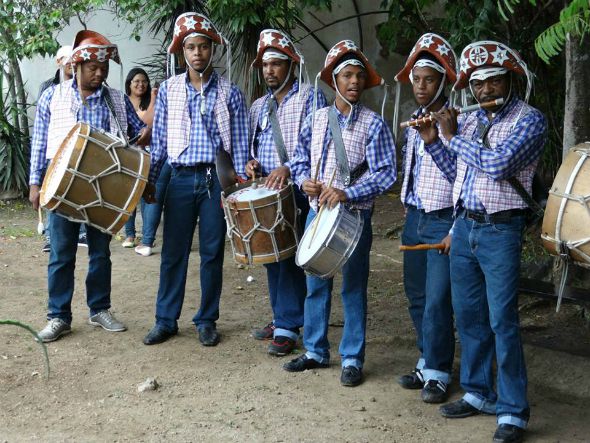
(47, 227)
(186, 202)
(62, 262)
(485, 265)
(286, 284)
(427, 283)
(355, 277)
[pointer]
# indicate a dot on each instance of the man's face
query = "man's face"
(491, 89)
(351, 82)
(275, 71)
(425, 84)
(93, 74)
(198, 52)
(67, 67)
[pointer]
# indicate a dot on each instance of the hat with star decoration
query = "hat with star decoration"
(189, 23)
(279, 41)
(488, 54)
(436, 46)
(92, 46)
(338, 51)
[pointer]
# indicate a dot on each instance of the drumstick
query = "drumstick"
(40, 225)
(423, 247)
(317, 219)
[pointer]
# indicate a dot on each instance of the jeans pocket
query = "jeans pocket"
(515, 225)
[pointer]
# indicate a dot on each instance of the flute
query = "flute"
(428, 118)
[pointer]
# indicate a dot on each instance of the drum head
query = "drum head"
(251, 194)
(309, 246)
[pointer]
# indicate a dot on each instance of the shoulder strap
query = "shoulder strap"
(340, 150)
(109, 101)
(277, 135)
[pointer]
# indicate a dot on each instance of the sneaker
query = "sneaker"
(144, 250)
(83, 241)
(129, 242)
(107, 321)
(54, 329)
(413, 380)
(281, 346)
(351, 376)
(434, 391)
(265, 333)
(46, 247)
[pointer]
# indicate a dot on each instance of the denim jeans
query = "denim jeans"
(187, 202)
(62, 262)
(47, 227)
(427, 283)
(355, 277)
(485, 265)
(286, 284)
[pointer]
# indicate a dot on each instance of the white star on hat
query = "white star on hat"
(205, 25)
(101, 54)
(334, 52)
(426, 41)
(443, 49)
(499, 55)
(349, 44)
(464, 65)
(267, 38)
(284, 42)
(85, 54)
(176, 30)
(189, 23)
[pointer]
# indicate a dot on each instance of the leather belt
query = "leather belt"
(497, 217)
(197, 167)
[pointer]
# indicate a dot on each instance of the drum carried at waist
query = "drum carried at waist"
(261, 222)
(95, 178)
(566, 225)
(325, 248)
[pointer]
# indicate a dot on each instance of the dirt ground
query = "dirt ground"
(236, 391)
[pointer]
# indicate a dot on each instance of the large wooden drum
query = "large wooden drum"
(567, 217)
(95, 178)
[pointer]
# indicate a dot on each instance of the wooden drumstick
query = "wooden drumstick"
(40, 225)
(423, 247)
(317, 219)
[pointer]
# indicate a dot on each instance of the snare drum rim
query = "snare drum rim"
(257, 203)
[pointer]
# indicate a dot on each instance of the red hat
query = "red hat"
(191, 22)
(90, 45)
(436, 46)
(339, 50)
(488, 54)
(271, 38)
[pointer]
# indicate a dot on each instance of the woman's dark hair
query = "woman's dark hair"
(145, 98)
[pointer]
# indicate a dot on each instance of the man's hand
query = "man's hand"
(145, 137)
(278, 177)
(332, 196)
(34, 193)
(252, 167)
(447, 122)
(447, 242)
(149, 193)
(428, 132)
(311, 188)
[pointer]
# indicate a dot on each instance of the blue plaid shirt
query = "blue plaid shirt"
(96, 114)
(379, 154)
(205, 139)
(266, 150)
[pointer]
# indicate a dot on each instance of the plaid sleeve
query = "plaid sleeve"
(39, 139)
(239, 130)
(380, 156)
(444, 158)
(133, 120)
(158, 143)
(322, 102)
(521, 148)
(300, 164)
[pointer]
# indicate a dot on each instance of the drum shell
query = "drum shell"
(120, 191)
(568, 220)
(239, 214)
(338, 246)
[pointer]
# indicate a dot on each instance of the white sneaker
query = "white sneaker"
(129, 242)
(107, 321)
(144, 250)
(54, 329)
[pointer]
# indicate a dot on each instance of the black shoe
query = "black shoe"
(434, 391)
(351, 376)
(506, 433)
(302, 363)
(208, 336)
(413, 380)
(157, 335)
(46, 247)
(281, 346)
(458, 409)
(266, 333)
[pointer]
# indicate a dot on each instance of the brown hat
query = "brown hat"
(90, 45)
(436, 46)
(338, 51)
(189, 23)
(279, 41)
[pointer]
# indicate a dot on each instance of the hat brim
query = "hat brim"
(373, 79)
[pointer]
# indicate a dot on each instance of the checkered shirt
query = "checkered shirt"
(367, 136)
(194, 138)
(59, 108)
(431, 190)
(517, 137)
(291, 113)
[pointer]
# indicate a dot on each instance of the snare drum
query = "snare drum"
(95, 179)
(324, 252)
(261, 222)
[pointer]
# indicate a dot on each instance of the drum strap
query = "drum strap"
(340, 151)
(109, 101)
(277, 135)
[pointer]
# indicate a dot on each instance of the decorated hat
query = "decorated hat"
(488, 54)
(189, 23)
(338, 51)
(92, 46)
(437, 47)
(278, 41)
